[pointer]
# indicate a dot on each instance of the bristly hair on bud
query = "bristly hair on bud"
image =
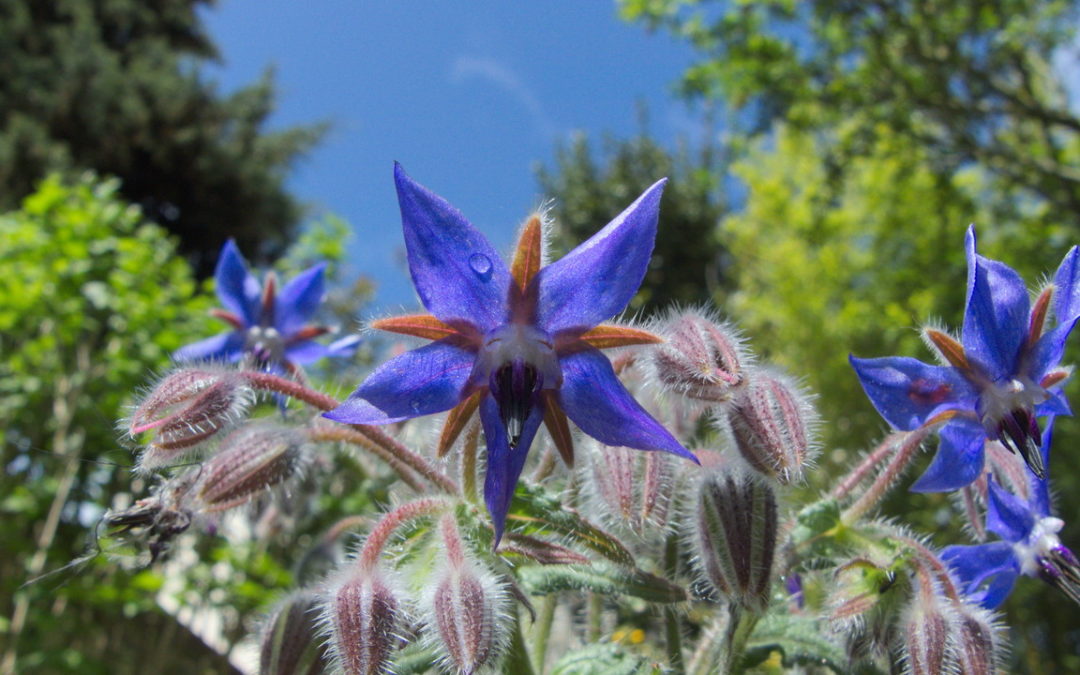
(703, 358)
(288, 641)
(361, 612)
(774, 426)
(980, 640)
(634, 492)
(927, 631)
(464, 609)
(251, 460)
(185, 410)
(734, 535)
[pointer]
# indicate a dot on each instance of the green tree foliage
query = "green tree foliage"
(92, 298)
(689, 265)
(114, 86)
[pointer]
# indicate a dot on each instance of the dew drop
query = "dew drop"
(480, 264)
(415, 405)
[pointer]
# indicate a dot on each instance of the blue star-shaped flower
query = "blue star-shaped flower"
(1001, 373)
(521, 343)
(1030, 545)
(269, 328)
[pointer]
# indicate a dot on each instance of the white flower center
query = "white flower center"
(265, 343)
(1038, 544)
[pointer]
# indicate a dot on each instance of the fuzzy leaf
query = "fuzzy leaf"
(799, 639)
(542, 511)
(603, 659)
(600, 578)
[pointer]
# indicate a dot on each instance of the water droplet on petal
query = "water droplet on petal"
(481, 264)
(415, 405)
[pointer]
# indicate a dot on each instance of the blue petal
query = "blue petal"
(986, 572)
(594, 398)
(596, 280)
(427, 380)
(237, 290)
(296, 303)
(227, 347)
(345, 346)
(306, 351)
(995, 314)
(1057, 404)
(1040, 491)
(503, 463)
(1007, 515)
(1047, 352)
(457, 273)
(907, 392)
(1067, 287)
(959, 459)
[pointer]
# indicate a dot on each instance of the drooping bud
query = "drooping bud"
(289, 644)
(702, 358)
(860, 587)
(466, 608)
(977, 640)
(252, 459)
(186, 409)
(772, 423)
(634, 491)
(361, 617)
(925, 630)
(735, 528)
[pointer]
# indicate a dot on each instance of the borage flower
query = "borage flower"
(521, 343)
(1030, 545)
(270, 329)
(1001, 376)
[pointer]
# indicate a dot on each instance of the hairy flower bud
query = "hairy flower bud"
(289, 643)
(186, 409)
(252, 459)
(361, 617)
(702, 359)
(859, 588)
(634, 490)
(772, 423)
(925, 629)
(465, 608)
(735, 528)
(976, 640)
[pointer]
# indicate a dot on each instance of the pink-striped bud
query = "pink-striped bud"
(925, 630)
(289, 643)
(735, 529)
(361, 615)
(634, 491)
(185, 410)
(701, 359)
(773, 423)
(977, 640)
(466, 608)
(251, 460)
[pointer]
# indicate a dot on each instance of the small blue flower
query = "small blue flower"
(1001, 374)
(269, 328)
(521, 343)
(1030, 545)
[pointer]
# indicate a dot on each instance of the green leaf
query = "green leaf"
(603, 659)
(539, 510)
(600, 578)
(800, 639)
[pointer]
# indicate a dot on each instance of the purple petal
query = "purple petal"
(1057, 404)
(503, 463)
(457, 273)
(296, 303)
(427, 380)
(986, 572)
(1047, 352)
(1007, 515)
(1067, 287)
(237, 290)
(995, 313)
(907, 392)
(594, 398)
(1040, 491)
(227, 347)
(306, 351)
(596, 280)
(345, 346)
(959, 460)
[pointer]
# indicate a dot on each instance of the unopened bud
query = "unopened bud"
(634, 490)
(735, 536)
(976, 640)
(702, 359)
(466, 608)
(772, 423)
(361, 615)
(926, 630)
(289, 644)
(252, 459)
(186, 409)
(860, 586)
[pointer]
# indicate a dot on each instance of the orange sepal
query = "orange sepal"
(1038, 314)
(457, 419)
(608, 336)
(949, 348)
(417, 325)
(527, 255)
(558, 426)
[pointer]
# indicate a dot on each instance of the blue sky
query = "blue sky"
(467, 100)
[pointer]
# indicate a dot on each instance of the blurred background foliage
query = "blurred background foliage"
(846, 146)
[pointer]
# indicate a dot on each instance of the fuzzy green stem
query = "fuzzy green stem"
(740, 627)
(672, 626)
(353, 437)
(908, 447)
(380, 535)
(542, 631)
(595, 617)
(517, 658)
